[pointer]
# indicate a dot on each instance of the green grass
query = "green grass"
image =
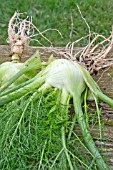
(57, 14)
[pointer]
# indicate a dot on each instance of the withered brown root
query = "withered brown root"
(93, 57)
(22, 31)
(19, 31)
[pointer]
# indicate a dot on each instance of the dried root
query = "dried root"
(93, 57)
(19, 31)
(22, 31)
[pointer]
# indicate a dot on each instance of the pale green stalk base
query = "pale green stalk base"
(45, 88)
(105, 98)
(93, 86)
(22, 91)
(32, 64)
(18, 86)
(65, 148)
(13, 79)
(86, 135)
(65, 102)
(72, 127)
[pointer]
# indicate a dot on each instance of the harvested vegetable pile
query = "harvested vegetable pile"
(37, 127)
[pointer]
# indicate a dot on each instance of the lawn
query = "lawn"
(62, 15)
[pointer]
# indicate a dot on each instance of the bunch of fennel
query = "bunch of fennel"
(71, 79)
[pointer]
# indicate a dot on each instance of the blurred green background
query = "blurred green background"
(60, 14)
